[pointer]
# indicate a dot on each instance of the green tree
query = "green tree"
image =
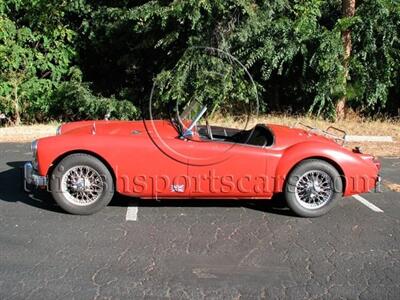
(36, 50)
(348, 10)
(108, 51)
(39, 74)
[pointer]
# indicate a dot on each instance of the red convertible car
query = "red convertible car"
(86, 162)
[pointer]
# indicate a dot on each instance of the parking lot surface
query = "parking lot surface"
(199, 249)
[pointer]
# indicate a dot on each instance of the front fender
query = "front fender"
(51, 148)
(359, 174)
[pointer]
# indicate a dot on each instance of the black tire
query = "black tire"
(63, 197)
(311, 167)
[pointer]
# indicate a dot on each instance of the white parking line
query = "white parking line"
(131, 213)
(367, 203)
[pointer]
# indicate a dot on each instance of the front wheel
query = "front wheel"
(313, 188)
(81, 184)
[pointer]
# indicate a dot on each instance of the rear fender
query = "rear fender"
(359, 175)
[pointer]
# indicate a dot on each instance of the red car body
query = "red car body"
(148, 159)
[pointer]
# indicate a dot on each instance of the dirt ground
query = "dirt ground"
(26, 133)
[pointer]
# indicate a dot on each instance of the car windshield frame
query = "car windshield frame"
(180, 120)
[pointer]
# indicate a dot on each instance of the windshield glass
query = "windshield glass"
(190, 110)
(190, 117)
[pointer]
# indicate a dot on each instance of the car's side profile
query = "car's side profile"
(86, 162)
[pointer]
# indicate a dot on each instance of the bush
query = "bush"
(74, 101)
(292, 49)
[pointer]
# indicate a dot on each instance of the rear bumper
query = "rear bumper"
(32, 178)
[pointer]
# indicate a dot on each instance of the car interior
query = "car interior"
(260, 135)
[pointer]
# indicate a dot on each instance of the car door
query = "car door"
(220, 169)
(153, 163)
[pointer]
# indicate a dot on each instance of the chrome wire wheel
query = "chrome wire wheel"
(82, 185)
(314, 189)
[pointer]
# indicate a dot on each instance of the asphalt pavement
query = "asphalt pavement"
(201, 249)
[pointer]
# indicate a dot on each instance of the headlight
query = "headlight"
(58, 130)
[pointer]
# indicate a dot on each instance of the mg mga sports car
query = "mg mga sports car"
(86, 162)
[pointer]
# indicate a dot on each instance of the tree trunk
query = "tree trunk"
(348, 10)
(17, 110)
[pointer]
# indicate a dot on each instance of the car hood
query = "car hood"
(285, 136)
(119, 128)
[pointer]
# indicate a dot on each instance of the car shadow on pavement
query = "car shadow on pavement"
(12, 190)
(276, 205)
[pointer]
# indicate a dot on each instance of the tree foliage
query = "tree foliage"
(78, 59)
(376, 55)
(38, 57)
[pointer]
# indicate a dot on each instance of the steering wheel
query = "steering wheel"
(209, 131)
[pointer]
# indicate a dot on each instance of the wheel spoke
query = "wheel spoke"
(82, 185)
(314, 189)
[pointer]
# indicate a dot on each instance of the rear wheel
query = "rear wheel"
(313, 188)
(81, 184)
